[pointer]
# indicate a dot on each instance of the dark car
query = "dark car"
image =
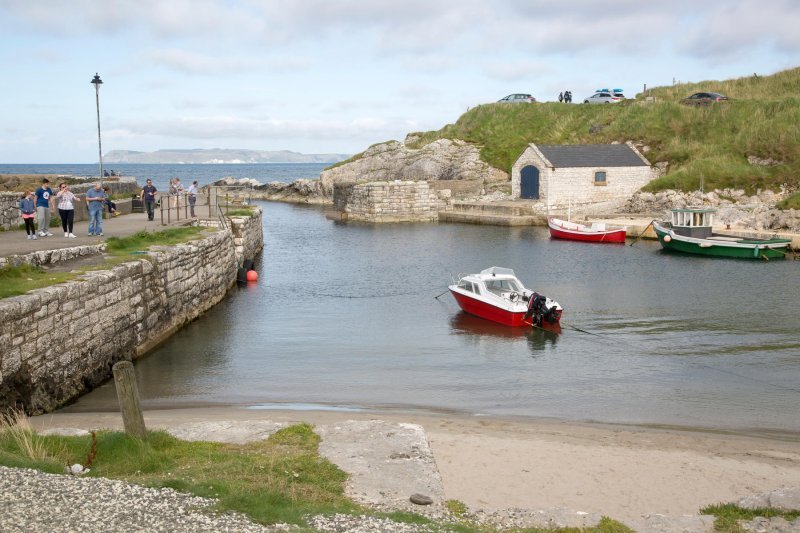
(704, 99)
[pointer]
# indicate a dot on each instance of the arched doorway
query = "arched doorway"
(529, 182)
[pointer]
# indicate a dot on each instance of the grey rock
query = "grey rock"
(787, 499)
(443, 159)
(420, 499)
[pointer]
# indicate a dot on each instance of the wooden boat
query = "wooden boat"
(690, 232)
(496, 294)
(597, 232)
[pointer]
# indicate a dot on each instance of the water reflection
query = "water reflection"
(538, 338)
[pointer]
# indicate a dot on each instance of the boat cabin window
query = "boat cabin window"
(469, 286)
(691, 218)
(503, 285)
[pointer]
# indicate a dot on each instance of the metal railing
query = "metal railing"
(209, 203)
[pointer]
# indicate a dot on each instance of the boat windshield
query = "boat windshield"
(496, 285)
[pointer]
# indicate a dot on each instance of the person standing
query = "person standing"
(95, 198)
(44, 204)
(560, 97)
(27, 206)
(192, 196)
(65, 200)
(173, 193)
(148, 196)
(179, 192)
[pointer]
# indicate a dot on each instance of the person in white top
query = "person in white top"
(192, 196)
(65, 200)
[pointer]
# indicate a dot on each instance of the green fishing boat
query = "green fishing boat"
(690, 232)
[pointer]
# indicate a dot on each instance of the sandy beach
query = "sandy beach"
(623, 472)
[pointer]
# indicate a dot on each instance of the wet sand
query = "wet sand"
(492, 463)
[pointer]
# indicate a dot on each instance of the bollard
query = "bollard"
(128, 396)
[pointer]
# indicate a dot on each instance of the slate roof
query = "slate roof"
(590, 155)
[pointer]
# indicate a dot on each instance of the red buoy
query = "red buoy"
(252, 275)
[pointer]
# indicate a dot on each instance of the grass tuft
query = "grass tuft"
(145, 239)
(729, 514)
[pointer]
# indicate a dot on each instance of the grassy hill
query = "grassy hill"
(711, 143)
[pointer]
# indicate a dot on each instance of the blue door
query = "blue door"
(529, 183)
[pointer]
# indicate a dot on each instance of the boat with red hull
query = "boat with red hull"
(597, 232)
(496, 294)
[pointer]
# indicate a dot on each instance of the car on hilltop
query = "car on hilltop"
(518, 98)
(704, 98)
(605, 96)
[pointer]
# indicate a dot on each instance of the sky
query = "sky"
(336, 76)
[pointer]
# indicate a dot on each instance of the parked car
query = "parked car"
(704, 99)
(517, 99)
(605, 97)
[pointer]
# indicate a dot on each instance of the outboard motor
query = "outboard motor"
(541, 308)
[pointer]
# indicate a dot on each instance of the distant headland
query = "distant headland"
(219, 156)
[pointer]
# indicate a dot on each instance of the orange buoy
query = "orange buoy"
(252, 275)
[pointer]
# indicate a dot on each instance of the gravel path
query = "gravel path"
(35, 501)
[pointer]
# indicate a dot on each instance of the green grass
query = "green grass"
(19, 280)
(280, 479)
(792, 202)
(711, 142)
(728, 515)
(123, 246)
(240, 212)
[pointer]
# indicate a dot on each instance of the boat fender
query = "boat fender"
(667, 238)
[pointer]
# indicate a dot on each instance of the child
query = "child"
(28, 209)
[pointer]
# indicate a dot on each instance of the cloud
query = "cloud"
(517, 70)
(232, 127)
(194, 63)
(732, 30)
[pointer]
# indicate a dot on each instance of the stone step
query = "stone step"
(496, 208)
(478, 217)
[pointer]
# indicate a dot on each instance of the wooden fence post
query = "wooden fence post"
(128, 396)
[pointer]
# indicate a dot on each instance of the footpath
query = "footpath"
(15, 242)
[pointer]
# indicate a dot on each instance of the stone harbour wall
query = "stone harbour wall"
(59, 342)
(9, 210)
(397, 201)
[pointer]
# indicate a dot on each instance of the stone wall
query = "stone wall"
(59, 342)
(381, 201)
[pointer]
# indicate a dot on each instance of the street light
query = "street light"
(97, 82)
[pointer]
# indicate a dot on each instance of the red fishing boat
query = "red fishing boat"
(497, 295)
(597, 232)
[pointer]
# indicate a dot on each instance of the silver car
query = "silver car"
(605, 97)
(517, 99)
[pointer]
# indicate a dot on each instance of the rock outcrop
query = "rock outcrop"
(302, 191)
(443, 159)
(734, 208)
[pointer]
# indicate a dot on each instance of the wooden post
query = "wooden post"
(128, 396)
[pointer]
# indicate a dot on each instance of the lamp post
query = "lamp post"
(97, 82)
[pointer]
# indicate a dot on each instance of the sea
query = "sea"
(162, 173)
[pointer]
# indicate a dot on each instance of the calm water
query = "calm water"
(345, 315)
(160, 174)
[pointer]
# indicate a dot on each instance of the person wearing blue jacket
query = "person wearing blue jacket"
(28, 209)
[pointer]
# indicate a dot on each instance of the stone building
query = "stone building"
(579, 174)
